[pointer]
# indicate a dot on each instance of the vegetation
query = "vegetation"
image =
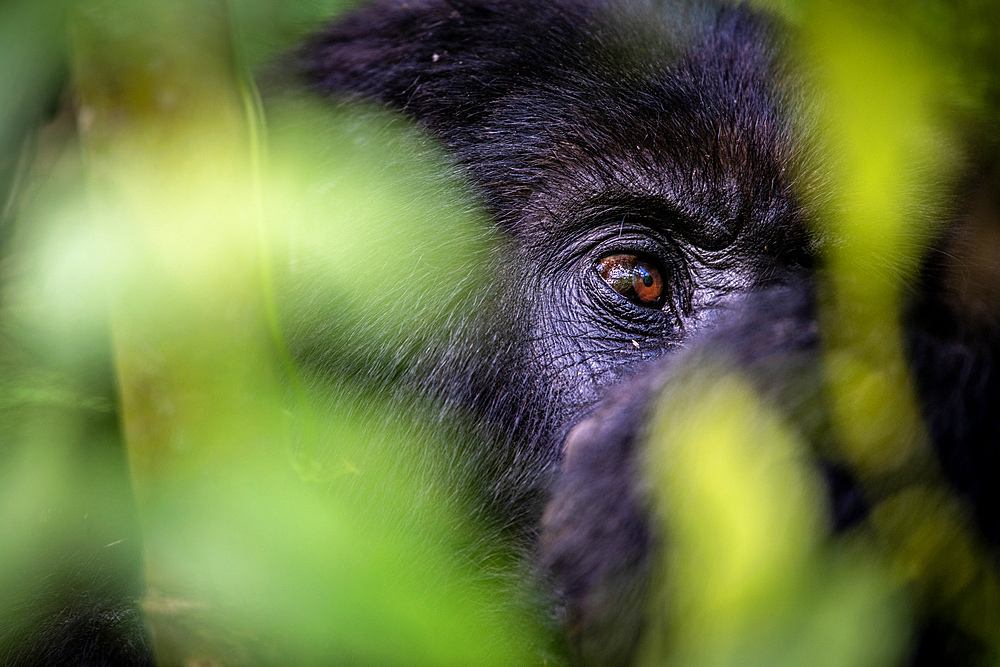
(163, 232)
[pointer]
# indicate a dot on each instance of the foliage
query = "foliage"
(163, 223)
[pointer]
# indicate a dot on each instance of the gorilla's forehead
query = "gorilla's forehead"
(715, 151)
(572, 106)
(710, 192)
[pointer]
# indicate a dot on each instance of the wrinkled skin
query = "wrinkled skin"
(590, 130)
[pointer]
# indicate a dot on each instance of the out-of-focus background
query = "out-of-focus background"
(162, 231)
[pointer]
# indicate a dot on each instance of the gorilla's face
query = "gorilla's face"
(641, 166)
(646, 172)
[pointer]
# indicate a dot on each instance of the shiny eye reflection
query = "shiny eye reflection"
(637, 280)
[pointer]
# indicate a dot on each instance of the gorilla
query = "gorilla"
(656, 187)
(649, 167)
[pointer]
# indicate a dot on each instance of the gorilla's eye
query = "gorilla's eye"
(636, 279)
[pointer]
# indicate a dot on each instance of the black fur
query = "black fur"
(589, 128)
(677, 142)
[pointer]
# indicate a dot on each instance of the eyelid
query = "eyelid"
(621, 234)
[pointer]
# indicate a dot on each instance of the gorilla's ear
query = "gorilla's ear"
(442, 62)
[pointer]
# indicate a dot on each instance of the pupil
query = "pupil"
(647, 280)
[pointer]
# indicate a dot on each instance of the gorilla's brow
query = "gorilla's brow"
(670, 216)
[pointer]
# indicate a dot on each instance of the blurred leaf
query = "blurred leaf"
(245, 562)
(749, 578)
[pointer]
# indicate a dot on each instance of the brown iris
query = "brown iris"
(634, 278)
